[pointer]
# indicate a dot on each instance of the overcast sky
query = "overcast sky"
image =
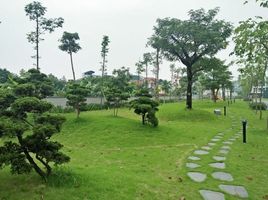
(128, 23)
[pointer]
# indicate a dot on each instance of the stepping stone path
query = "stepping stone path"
(206, 148)
(192, 165)
(217, 165)
(222, 176)
(227, 142)
(219, 158)
(215, 140)
(194, 158)
(239, 191)
(226, 147)
(201, 152)
(223, 151)
(211, 195)
(211, 144)
(199, 177)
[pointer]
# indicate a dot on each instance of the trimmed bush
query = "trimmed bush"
(258, 106)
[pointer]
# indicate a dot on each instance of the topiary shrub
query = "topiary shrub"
(145, 106)
(258, 106)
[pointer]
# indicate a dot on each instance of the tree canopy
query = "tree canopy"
(190, 40)
(70, 45)
(24, 117)
(36, 13)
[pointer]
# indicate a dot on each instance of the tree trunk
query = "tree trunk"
(213, 93)
(146, 75)
(143, 119)
(189, 88)
(72, 65)
(223, 93)
(37, 44)
(102, 77)
(45, 164)
(77, 111)
(157, 74)
(31, 161)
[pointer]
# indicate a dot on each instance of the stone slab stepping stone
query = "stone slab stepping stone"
(218, 137)
(197, 176)
(211, 195)
(206, 148)
(227, 142)
(192, 165)
(222, 176)
(215, 140)
(211, 144)
(223, 151)
(221, 134)
(239, 191)
(201, 152)
(232, 139)
(194, 158)
(217, 165)
(226, 147)
(219, 158)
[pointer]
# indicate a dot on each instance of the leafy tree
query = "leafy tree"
(190, 40)
(146, 61)
(4, 74)
(76, 96)
(118, 88)
(252, 47)
(215, 76)
(58, 84)
(139, 69)
(27, 129)
(145, 106)
(262, 3)
(70, 45)
(166, 87)
(154, 42)
(104, 53)
(33, 83)
(36, 13)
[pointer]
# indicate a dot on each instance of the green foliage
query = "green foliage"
(262, 3)
(145, 106)
(69, 42)
(24, 118)
(118, 89)
(190, 40)
(58, 84)
(36, 13)
(76, 95)
(34, 84)
(70, 45)
(4, 74)
(104, 51)
(215, 76)
(258, 106)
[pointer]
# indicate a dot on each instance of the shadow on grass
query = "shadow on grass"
(64, 177)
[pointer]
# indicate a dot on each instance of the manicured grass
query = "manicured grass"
(118, 158)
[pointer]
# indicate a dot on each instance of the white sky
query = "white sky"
(128, 23)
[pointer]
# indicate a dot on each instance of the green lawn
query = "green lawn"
(114, 158)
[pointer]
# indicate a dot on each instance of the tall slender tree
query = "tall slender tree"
(36, 13)
(146, 61)
(251, 39)
(104, 53)
(70, 45)
(190, 40)
(139, 69)
(154, 42)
